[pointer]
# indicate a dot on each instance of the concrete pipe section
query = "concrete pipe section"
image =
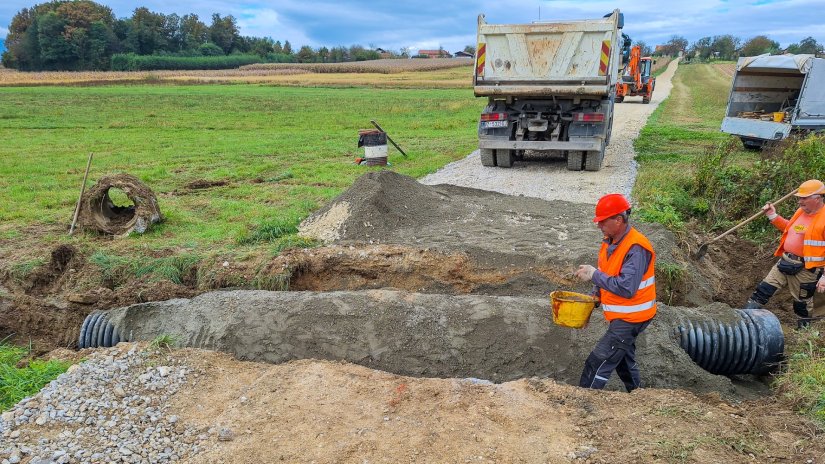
(487, 337)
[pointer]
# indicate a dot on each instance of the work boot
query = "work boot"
(803, 322)
(751, 304)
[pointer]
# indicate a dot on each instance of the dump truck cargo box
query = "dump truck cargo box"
(548, 58)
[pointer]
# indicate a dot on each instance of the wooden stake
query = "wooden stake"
(82, 191)
(388, 138)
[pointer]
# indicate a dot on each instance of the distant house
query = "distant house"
(434, 53)
(462, 54)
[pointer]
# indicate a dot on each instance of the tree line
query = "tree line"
(729, 47)
(75, 35)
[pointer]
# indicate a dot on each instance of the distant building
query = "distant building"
(462, 54)
(435, 53)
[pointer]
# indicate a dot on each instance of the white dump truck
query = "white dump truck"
(772, 96)
(550, 88)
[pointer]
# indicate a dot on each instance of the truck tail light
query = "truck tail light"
(494, 116)
(588, 117)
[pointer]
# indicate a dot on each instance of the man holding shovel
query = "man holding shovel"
(801, 253)
(625, 285)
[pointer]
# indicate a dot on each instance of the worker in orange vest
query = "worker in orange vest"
(625, 285)
(801, 253)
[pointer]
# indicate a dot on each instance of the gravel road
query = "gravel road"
(549, 179)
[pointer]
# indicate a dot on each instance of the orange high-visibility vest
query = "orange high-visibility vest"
(813, 245)
(641, 306)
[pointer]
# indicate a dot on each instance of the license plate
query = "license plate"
(493, 124)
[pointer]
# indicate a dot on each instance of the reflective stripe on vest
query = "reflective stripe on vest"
(628, 309)
(647, 282)
(816, 243)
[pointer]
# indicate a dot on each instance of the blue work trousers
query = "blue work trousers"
(615, 350)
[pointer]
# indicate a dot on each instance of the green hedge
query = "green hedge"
(132, 62)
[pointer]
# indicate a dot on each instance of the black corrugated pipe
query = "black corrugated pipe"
(751, 345)
(98, 331)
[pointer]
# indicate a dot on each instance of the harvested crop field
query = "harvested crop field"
(411, 73)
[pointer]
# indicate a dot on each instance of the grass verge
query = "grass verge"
(803, 379)
(17, 383)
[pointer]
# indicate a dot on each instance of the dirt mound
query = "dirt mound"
(495, 231)
(100, 214)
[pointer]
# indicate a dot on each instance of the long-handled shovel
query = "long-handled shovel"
(703, 248)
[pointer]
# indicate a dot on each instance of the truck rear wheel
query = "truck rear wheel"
(575, 160)
(593, 160)
(645, 99)
(504, 158)
(488, 157)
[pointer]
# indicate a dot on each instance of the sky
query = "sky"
(428, 24)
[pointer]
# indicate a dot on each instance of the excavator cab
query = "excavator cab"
(636, 78)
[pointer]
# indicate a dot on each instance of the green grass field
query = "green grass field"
(283, 151)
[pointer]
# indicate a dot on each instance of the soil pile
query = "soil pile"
(495, 230)
(229, 411)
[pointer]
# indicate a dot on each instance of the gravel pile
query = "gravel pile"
(111, 408)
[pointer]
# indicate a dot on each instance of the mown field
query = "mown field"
(282, 152)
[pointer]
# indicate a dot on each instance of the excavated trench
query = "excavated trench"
(443, 281)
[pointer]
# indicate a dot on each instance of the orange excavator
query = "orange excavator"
(636, 78)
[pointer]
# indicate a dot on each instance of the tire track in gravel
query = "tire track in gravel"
(549, 179)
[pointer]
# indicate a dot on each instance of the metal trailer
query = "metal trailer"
(788, 89)
(550, 88)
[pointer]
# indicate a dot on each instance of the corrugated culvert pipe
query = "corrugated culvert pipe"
(98, 331)
(753, 344)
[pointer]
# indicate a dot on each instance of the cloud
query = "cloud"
(3, 32)
(269, 23)
(429, 24)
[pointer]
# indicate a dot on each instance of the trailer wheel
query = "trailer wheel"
(593, 160)
(504, 158)
(575, 160)
(752, 144)
(645, 99)
(488, 157)
(619, 99)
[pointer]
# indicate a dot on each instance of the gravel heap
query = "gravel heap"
(111, 408)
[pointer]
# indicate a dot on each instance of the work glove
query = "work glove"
(585, 272)
(820, 285)
(769, 210)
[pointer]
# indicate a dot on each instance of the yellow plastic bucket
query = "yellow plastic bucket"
(571, 309)
(778, 116)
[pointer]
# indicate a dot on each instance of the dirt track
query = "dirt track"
(549, 179)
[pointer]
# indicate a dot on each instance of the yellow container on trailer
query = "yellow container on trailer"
(778, 116)
(571, 309)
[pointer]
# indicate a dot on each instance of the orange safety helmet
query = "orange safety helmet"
(610, 205)
(810, 187)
